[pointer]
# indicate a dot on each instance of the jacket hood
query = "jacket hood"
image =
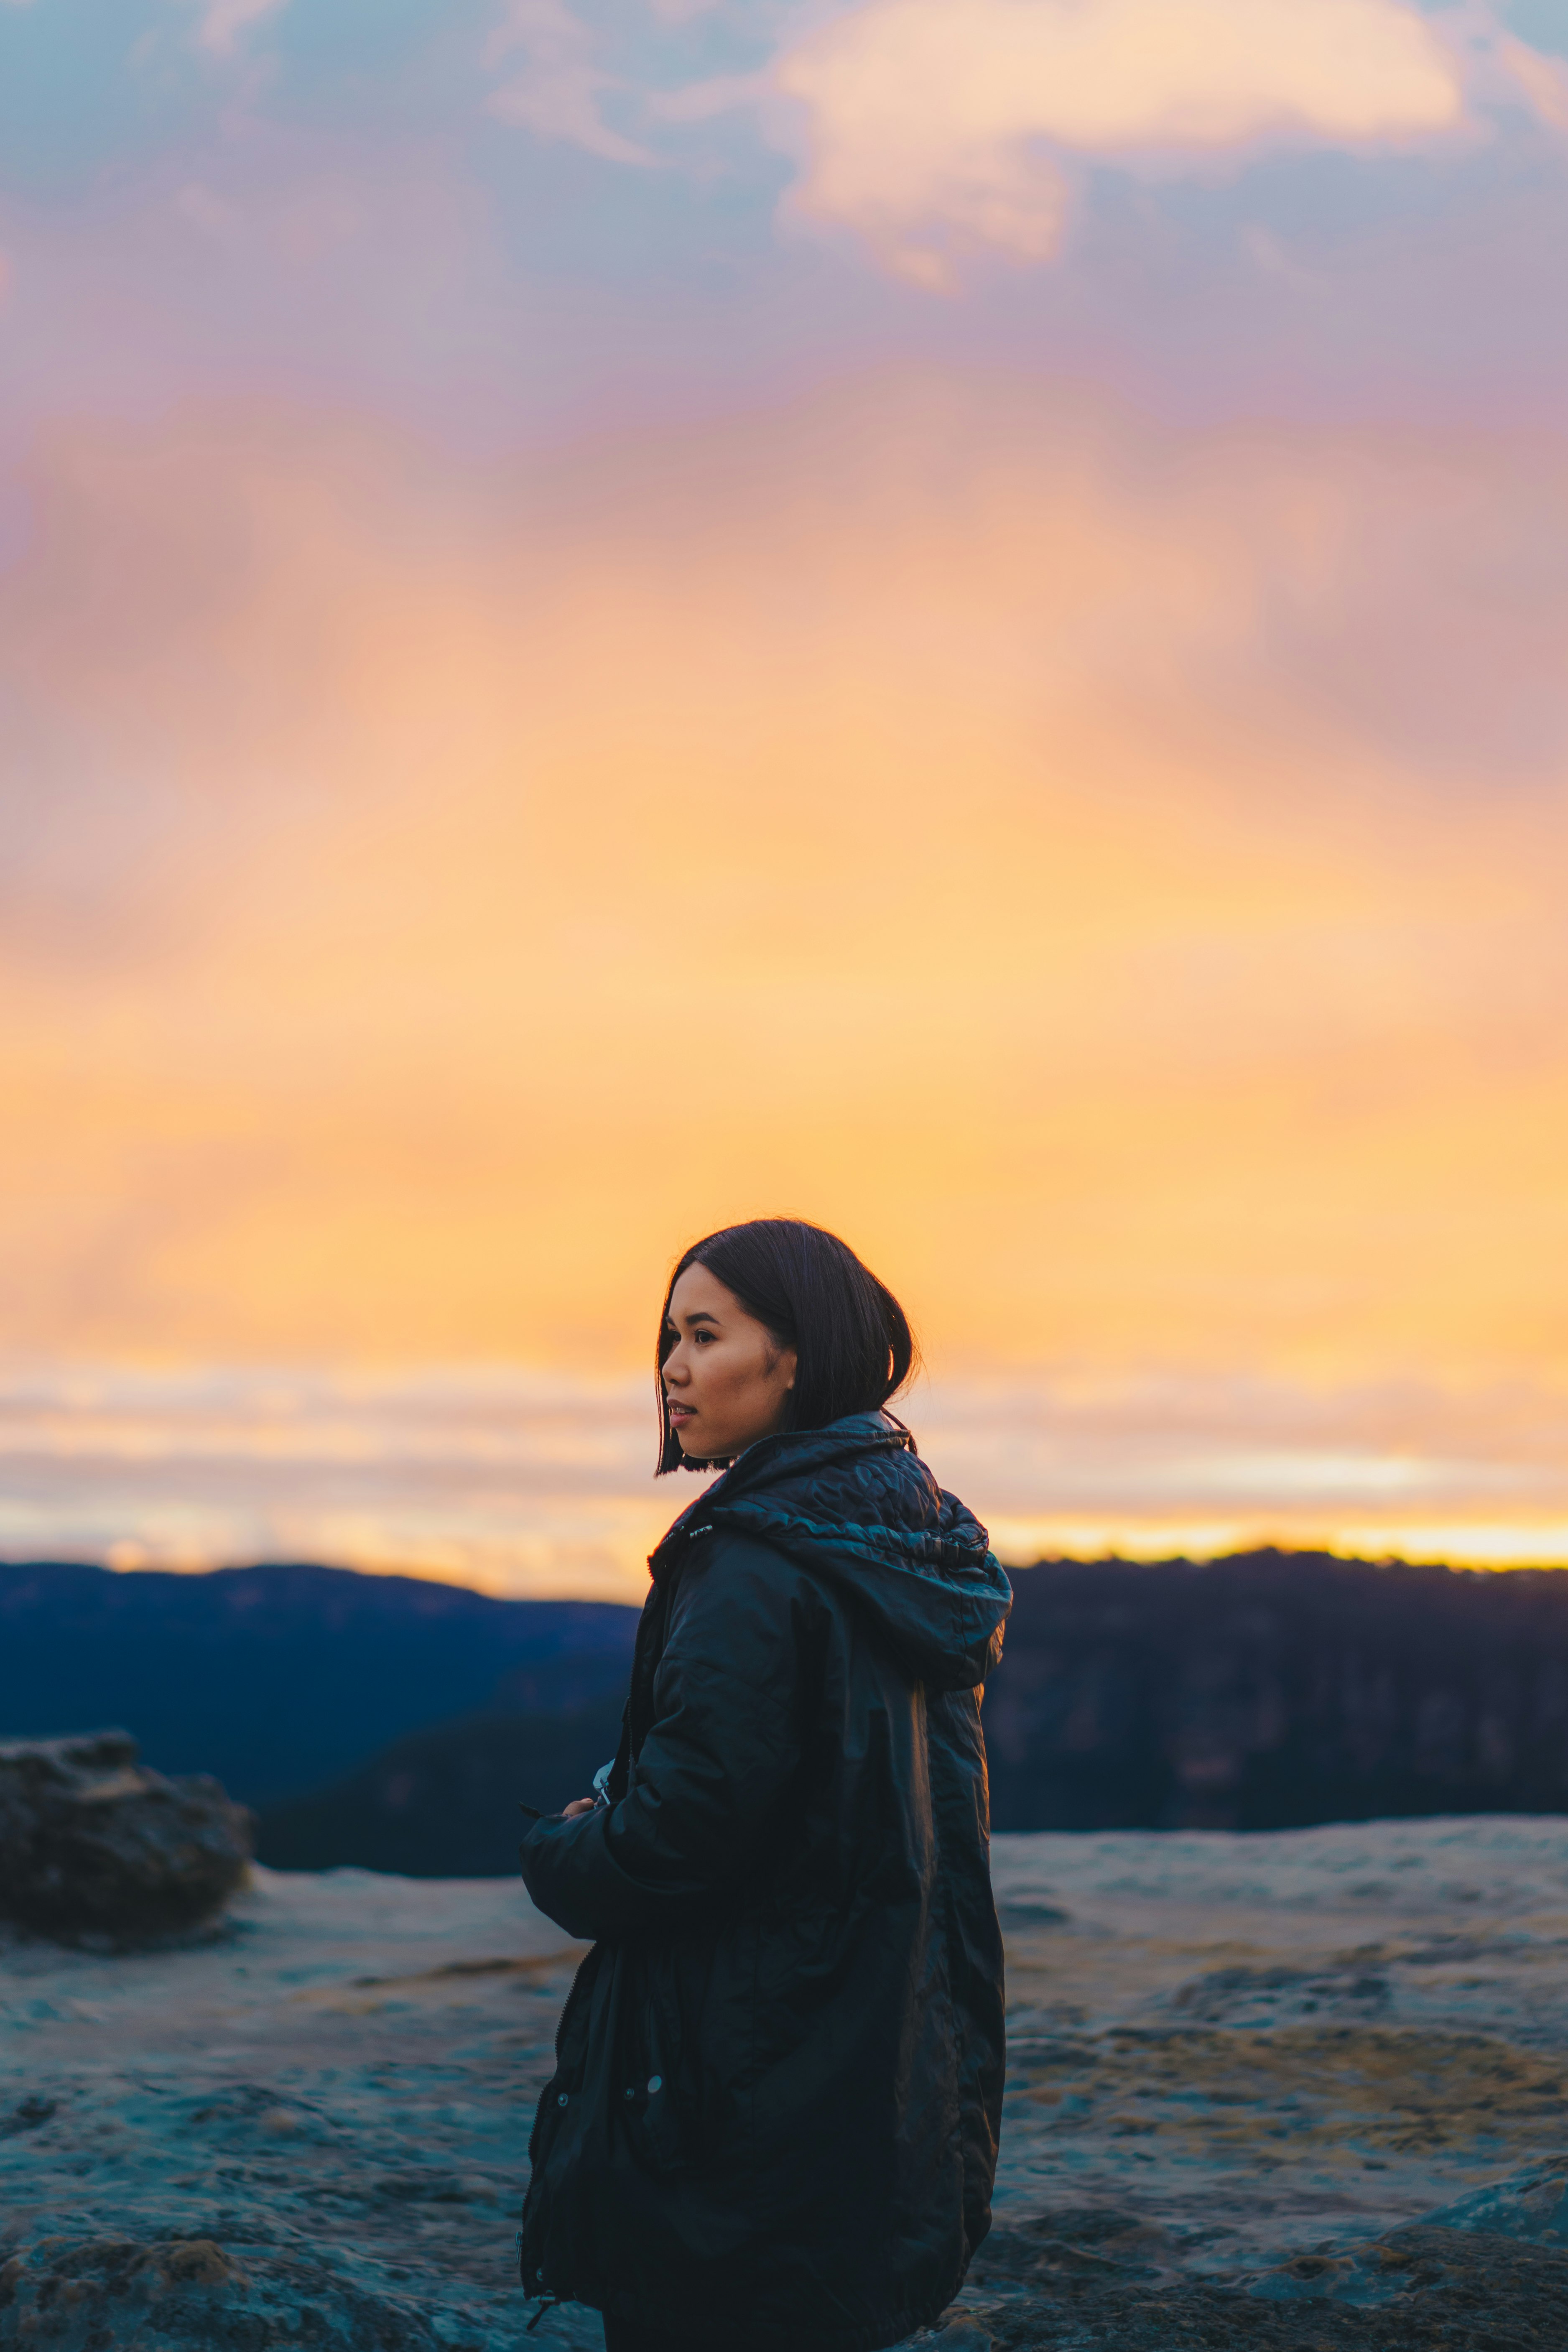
(856, 1505)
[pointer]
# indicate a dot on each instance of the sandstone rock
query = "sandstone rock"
(195, 2295)
(93, 1844)
(1418, 2289)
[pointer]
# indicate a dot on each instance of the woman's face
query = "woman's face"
(726, 1376)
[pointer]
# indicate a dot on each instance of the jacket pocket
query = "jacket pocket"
(652, 2090)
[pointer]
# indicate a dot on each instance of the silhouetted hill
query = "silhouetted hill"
(404, 1721)
(1266, 1691)
(278, 1678)
(1275, 1689)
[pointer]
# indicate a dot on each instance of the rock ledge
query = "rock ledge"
(95, 1845)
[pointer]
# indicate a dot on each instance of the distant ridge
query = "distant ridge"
(283, 1677)
(443, 1802)
(1272, 1690)
(393, 1722)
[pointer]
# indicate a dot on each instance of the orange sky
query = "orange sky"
(1108, 862)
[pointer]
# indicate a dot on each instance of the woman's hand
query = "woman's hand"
(581, 1805)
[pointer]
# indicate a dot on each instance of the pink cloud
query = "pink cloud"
(1543, 81)
(931, 130)
(223, 22)
(558, 91)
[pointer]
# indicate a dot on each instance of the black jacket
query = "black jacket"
(779, 2073)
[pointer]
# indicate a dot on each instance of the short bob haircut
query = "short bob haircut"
(852, 1340)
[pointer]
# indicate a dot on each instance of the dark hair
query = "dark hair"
(853, 1344)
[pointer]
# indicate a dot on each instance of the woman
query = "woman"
(773, 2123)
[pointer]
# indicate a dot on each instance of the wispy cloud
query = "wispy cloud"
(1211, 789)
(535, 1483)
(221, 23)
(1543, 80)
(559, 91)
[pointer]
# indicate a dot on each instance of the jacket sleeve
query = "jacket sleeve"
(716, 1764)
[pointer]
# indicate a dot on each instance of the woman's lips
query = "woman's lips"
(681, 1412)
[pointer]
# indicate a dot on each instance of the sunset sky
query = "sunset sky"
(946, 615)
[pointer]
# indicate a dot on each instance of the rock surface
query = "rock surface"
(188, 2293)
(92, 1843)
(1086, 2282)
(1291, 2092)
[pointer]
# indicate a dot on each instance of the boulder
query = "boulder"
(93, 1844)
